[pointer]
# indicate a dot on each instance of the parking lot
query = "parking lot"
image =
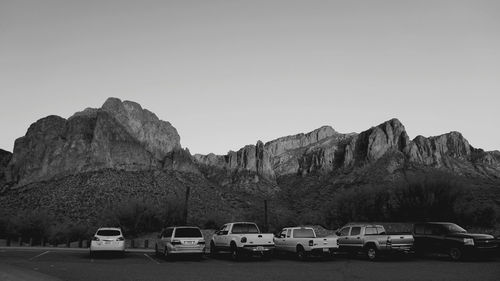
(76, 264)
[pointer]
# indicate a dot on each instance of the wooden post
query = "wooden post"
(8, 242)
(266, 225)
(67, 243)
(80, 243)
(146, 243)
(132, 243)
(31, 241)
(20, 241)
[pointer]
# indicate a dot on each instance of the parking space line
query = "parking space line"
(151, 259)
(46, 252)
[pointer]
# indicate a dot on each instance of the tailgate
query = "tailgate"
(260, 239)
(326, 242)
(401, 239)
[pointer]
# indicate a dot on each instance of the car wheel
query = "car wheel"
(371, 253)
(455, 253)
(213, 249)
(165, 254)
(235, 255)
(301, 253)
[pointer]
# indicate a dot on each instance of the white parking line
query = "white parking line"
(46, 252)
(151, 259)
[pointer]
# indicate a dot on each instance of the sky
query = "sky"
(229, 73)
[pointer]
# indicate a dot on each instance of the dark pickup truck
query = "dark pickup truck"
(451, 239)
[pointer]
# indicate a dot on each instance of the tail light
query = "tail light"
(201, 242)
(175, 242)
(95, 238)
(311, 242)
(243, 239)
(120, 239)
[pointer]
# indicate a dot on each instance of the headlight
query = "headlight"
(469, 241)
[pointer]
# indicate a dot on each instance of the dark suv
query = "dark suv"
(451, 239)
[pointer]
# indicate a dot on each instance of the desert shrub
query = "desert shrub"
(429, 197)
(359, 203)
(27, 224)
(139, 216)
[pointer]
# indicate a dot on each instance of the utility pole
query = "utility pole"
(266, 225)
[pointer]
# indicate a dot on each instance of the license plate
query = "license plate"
(107, 242)
(325, 249)
(260, 248)
(189, 242)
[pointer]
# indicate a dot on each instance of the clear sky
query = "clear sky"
(228, 73)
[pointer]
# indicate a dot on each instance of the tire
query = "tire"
(301, 253)
(371, 253)
(166, 256)
(455, 253)
(235, 254)
(213, 249)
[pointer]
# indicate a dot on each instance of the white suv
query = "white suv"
(108, 239)
(180, 240)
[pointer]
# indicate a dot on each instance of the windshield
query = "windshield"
(303, 233)
(187, 232)
(453, 228)
(241, 228)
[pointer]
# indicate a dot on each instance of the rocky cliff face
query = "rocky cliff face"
(120, 135)
(5, 157)
(325, 150)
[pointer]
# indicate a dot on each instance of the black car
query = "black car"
(451, 239)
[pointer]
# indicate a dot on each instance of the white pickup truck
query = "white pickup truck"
(302, 241)
(242, 238)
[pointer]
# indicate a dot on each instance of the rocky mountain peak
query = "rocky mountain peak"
(373, 143)
(120, 135)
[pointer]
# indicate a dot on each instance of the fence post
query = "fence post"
(20, 241)
(132, 244)
(31, 241)
(80, 243)
(67, 243)
(146, 243)
(8, 242)
(43, 242)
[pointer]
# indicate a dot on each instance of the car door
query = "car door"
(354, 239)
(435, 238)
(280, 240)
(221, 238)
(289, 241)
(343, 237)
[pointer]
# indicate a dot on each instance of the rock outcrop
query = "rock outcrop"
(5, 157)
(120, 135)
(373, 143)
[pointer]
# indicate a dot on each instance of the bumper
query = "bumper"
(323, 251)
(261, 249)
(96, 246)
(180, 250)
(404, 249)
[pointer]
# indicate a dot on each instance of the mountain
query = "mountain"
(83, 166)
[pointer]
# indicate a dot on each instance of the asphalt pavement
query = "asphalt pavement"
(76, 264)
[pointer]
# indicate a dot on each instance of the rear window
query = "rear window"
(108, 232)
(303, 233)
(187, 232)
(371, 231)
(241, 228)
